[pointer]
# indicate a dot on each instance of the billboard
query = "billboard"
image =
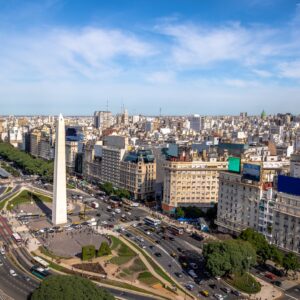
(234, 164)
(289, 185)
(251, 172)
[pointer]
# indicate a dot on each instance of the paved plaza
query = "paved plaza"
(69, 243)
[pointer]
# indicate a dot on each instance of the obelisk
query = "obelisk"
(59, 206)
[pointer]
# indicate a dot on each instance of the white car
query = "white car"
(129, 213)
(2, 251)
(12, 273)
(134, 225)
(218, 296)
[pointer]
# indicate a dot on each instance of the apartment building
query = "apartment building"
(193, 182)
(286, 221)
(71, 152)
(269, 204)
(138, 174)
(41, 142)
(92, 161)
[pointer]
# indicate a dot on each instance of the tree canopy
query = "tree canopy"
(88, 252)
(229, 257)
(104, 249)
(69, 287)
(28, 164)
(290, 262)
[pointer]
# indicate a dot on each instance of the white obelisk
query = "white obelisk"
(59, 206)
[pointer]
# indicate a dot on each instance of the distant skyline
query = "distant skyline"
(185, 57)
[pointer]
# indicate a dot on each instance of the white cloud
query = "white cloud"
(161, 77)
(290, 69)
(262, 73)
(197, 46)
(59, 53)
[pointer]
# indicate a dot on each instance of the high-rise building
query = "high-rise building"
(138, 174)
(59, 206)
(102, 119)
(196, 122)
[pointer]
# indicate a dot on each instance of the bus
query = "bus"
(175, 230)
(152, 222)
(41, 262)
(17, 238)
(39, 272)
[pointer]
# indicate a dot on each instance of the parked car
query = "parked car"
(157, 254)
(204, 293)
(226, 290)
(178, 274)
(189, 287)
(277, 283)
(236, 293)
(12, 273)
(270, 276)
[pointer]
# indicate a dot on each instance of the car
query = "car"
(171, 238)
(212, 286)
(157, 254)
(199, 280)
(148, 232)
(151, 247)
(2, 251)
(134, 225)
(218, 278)
(1, 263)
(143, 246)
(226, 290)
(277, 283)
(12, 273)
(189, 286)
(173, 254)
(204, 293)
(157, 241)
(178, 274)
(218, 296)
(128, 235)
(270, 276)
(192, 274)
(236, 293)
(179, 249)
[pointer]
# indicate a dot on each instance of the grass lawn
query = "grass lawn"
(147, 278)
(115, 242)
(137, 266)
(245, 283)
(155, 266)
(26, 197)
(124, 253)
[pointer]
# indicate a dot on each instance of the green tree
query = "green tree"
(259, 242)
(276, 255)
(69, 287)
(88, 252)
(107, 187)
(290, 262)
(193, 212)
(229, 257)
(179, 213)
(104, 249)
(122, 193)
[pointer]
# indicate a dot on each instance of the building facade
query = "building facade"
(192, 182)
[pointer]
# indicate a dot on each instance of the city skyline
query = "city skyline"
(73, 57)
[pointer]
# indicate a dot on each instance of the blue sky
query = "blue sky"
(183, 56)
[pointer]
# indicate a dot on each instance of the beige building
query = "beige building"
(71, 152)
(192, 182)
(286, 222)
(138, 174)
(41, 142)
